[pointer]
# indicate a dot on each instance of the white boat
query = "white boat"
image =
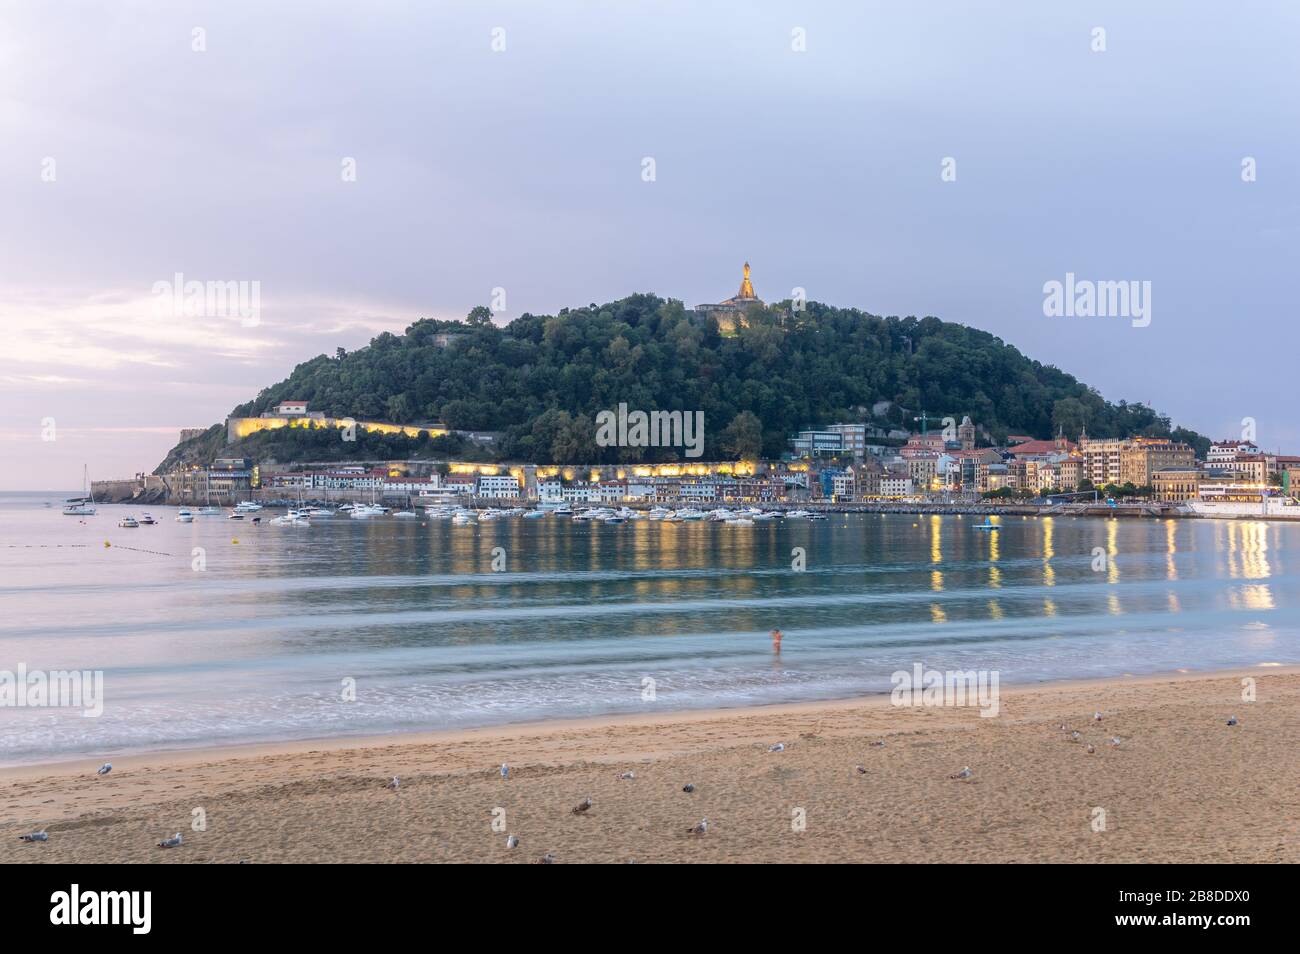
(148, 520)
(294, 518)
(319, 512)
(489, 514)
(798, 515)
(740, 522)
(534, 514)
(209, 512)
(234, 515)
(248, 506)
(462, 518)
(816, 516)
(405, 515)
(366, 511)
(83, 506)
(184, 516)
(764, 516)
(128, 522)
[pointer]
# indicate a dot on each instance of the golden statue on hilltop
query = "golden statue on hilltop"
(746, 292)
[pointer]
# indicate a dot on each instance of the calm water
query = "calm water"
(257, 645)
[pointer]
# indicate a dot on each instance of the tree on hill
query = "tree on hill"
(542, 379)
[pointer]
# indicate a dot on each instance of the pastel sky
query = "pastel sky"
(522, 169)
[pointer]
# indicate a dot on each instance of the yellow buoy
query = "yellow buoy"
(107, 544)
(233, 540)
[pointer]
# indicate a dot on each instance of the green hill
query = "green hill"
(540, 380)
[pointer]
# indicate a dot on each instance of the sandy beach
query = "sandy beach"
(1182, 786)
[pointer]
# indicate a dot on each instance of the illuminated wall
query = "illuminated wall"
(240, 427)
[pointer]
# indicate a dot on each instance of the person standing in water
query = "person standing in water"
(776, 642)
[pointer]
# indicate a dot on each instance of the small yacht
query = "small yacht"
(319, 512)
(247, 506)
(209, 511)
(184, 516)
(405, 515)
(987, 525)
(816, 516)
(83, 506)
(366, 511)
(128, 522)
(463, 518)
(148, 520)
(534, 514)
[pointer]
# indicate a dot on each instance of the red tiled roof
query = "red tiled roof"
(1037, 447)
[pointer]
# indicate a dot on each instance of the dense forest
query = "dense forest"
(540, 380)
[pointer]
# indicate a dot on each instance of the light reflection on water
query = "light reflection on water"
(257, 645)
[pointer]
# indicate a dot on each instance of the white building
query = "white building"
(892, 485)
(497, 485)
(843, 486)
(1223, 454)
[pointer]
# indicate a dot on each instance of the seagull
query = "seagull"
(1091, 749)
(395, 784)
(173, 842)
(104, 769)
(626, 776)
(505, 770)
(35, 836)
(1232, 720)
(862, 770)
(779, 747)
(582, 806)
(1064, 727)
(1096, 717)
(512, 841)
(547, 859)
(1115, 740)
(878, 745)
(964, 773)
(1074, 736)
(688, 787)
(701, 829)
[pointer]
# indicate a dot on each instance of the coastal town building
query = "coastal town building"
(1176, 484)
(1141, 457)
(1101, 459)
(497, 485)
(895, 486)
(1223, 455)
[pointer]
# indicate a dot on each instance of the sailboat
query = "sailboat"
(83, 506)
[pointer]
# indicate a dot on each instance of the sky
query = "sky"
(365, 165)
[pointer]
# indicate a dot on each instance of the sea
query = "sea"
(221, 632)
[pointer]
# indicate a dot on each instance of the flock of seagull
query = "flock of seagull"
(584, 806)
